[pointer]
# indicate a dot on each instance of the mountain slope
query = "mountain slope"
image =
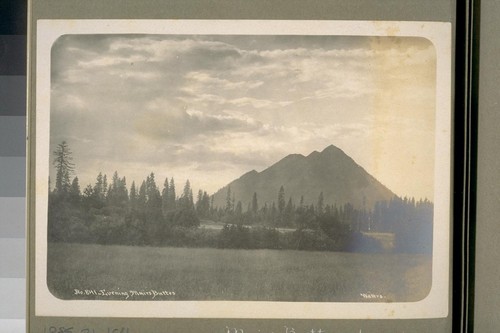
(331, 171)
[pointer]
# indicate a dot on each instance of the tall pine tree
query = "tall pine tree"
(63, 162)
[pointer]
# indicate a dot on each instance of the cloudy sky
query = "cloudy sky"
(210, 108)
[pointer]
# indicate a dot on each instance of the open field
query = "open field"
(217, 274)
(212, 225)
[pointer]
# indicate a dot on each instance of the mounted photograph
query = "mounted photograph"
(243, 169)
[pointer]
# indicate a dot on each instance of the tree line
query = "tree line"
(110, 212)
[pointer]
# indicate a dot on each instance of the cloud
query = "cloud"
(204, 79)
(254, 102)
(69, 101)
(177, 125)
(214, 73)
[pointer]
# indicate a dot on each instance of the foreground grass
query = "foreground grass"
(253, 275)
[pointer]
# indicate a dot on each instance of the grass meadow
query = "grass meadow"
(110, 272)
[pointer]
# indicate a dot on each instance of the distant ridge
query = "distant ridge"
(330, 171)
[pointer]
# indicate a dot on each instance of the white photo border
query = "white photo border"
(435, 305)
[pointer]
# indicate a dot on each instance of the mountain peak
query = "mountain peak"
(328, 151)
(313, 153)
(332, 149)
(329, 171)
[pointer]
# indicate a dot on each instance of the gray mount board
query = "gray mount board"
(304, 10)
(487, 270)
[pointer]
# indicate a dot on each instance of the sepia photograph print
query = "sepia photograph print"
(254, 169)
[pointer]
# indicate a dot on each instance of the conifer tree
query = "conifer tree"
(186, 199)
(63, 162)
(141, 198)
(320, 205)
(74, 191)
(229, 203)
(255, 204)
(165, 197)
(281, 200)
(288, 214)
(172, 197)
(133, 196)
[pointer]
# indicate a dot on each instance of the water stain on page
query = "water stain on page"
(403, 74)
